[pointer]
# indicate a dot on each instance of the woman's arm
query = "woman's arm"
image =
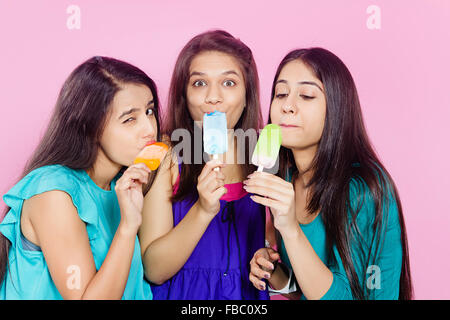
(263, 266)
(166, 249)
(313, 276)
(279, 279)
(316, 280)
(65, 245)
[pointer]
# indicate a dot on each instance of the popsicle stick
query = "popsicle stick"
(260, 169)
(215, 157)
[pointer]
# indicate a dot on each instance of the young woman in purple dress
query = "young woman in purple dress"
(200, 228)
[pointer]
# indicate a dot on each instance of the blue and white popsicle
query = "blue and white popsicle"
(215, 138)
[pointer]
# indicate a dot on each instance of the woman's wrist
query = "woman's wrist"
(288, 287)
(202, 213)
(280, 277)
(127, 230)
(291, 232)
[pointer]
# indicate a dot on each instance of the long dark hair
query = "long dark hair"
(345, 153)
(178, 115)
(73, 134)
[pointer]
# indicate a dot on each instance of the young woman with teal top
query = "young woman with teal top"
(70, 229)
(339, 221)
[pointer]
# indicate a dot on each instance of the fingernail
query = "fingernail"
(267, 276)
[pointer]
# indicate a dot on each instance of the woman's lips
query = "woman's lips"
(288, 126)
(149, 143)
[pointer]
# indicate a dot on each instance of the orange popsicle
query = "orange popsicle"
(152, 155)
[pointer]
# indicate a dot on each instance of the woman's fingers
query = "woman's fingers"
(215, 179)
(265, 264)
(261, 267)
(274, 256)
(256, 274)
(269, 192)
(258, 284)
(266, 178)
(219, 175)
(137, 176)
(133, 175)
(268, 185)
(211, 181)
(257, 271)
(217, 194)
(273, 204)
(211, 185)
(209, 166)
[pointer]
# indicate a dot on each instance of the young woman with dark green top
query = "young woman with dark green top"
(336, 210)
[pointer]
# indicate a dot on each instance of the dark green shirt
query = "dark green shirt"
(382, 277)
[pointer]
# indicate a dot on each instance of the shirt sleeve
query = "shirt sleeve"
(44, 179)
(380, 277)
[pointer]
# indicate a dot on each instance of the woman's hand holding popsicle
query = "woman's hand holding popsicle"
(277, 194)
(129, 194)
(210, 187)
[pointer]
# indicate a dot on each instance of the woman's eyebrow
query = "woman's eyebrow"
(197, 73)
(230, 72)
(129, 111)
(312, 83)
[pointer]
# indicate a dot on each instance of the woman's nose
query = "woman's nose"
(287, 108)
(149, 129)
(213, 95)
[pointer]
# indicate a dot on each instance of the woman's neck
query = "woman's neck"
(234, 159)
(103, 171)
(230, 157)
(303, 159)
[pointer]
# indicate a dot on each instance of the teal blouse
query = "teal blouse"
(27, 275)
(382, 278)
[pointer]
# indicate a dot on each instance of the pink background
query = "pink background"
(401, 72)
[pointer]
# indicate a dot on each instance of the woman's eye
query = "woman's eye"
(229, 83)
(306, 97)
(150, 112)
(128, 120)
(199, 83)
(281, 95)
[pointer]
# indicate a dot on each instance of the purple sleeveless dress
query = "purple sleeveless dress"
(218, 268)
